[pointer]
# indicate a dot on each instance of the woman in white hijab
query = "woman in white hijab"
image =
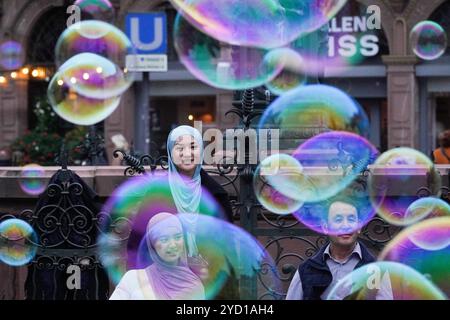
(186, 179)
(185, 152)
(186, 176)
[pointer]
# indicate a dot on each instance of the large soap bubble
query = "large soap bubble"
(315, 106)
(385, 281)
(264, 24)
(220, 64)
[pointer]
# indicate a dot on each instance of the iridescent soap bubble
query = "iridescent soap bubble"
(425, 247)
(32, 179)
(293, 73)
(76, 108)
(436, 237)
(336, 47)
(95, 37)
(255, 23)
(313, 109)
(341, 215)
(11, 55)
(17, 242)
(96, 10)
(94, 76)
(331, 161)
(428, 40)
(221, 248)
(129, 208)
(398, 178)
(320, 61)
(220, 64)
(385, 281)
(426, 208)
(272, 180)
(284, 173)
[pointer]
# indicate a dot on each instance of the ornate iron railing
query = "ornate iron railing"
(67, 223)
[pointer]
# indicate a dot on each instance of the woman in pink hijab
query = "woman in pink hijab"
(169, 277)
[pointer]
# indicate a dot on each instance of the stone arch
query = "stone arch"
(417, 10)
(29, 15)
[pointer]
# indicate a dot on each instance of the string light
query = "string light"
(25, 72)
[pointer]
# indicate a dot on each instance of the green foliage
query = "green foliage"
(74, 139)
(47, 119)
(38, 147)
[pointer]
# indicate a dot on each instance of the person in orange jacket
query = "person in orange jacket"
(441, 155)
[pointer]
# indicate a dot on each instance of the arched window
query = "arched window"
(44, 35)
(442, 16)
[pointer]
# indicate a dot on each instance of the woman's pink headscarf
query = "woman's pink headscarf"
(170, 282)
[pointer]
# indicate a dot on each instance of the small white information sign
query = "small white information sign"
(147, 63)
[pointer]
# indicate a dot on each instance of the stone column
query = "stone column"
(403, 102)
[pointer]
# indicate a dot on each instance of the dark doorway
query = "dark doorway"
(442, 116)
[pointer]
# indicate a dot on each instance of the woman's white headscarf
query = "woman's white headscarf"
(186, 192)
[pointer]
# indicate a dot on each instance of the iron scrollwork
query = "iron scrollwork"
(136, 165)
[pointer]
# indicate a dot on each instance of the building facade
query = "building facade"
(406, 99)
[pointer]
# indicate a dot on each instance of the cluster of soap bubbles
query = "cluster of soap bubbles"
(208, 240)
(92, 59)
(324, 164)
(391, 189)
(234, 45)
(336, 181)
(238, 45)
